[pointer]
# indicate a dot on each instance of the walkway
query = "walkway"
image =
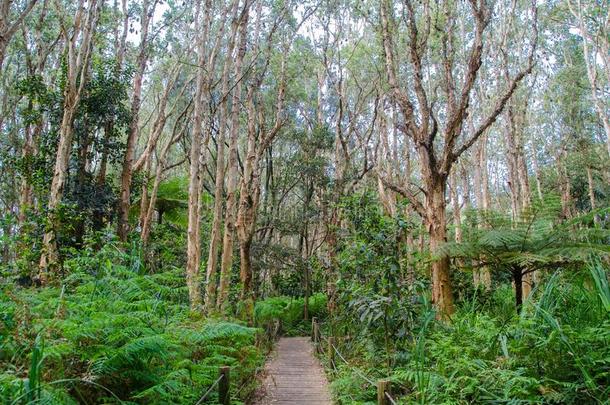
(294, 376)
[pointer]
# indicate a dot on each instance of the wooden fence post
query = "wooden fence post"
(224, 385)
(314, 321)
(383, 386)
(331, 351)
(316, 333)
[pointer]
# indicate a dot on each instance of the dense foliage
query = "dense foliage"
(285, 315)
(182, 182)
(555, 350)
(113, 332)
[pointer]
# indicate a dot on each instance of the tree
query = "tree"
(197, 143)
(146, 17)
(78, 43)
(10, 21)
(593, 24)
(437, 135)
(222, 302)
(534, 242)
(219, 186)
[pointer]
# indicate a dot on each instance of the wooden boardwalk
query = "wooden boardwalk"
(294, 376)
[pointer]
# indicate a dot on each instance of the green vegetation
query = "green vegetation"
(555, 350)
(289, 312)
(114, 333)
(183, 182)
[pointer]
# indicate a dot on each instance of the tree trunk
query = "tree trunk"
(222, 302)
(50, 256)
(537, 175)
(511, 160)
(246, 213)
(193, 243)
(457, 209)
(144, 198)
(591, 188)
(245, 269)
(565, 186)
(519, 293)
(26, 197)
(216, 235)
(150, 208)
(134, 126)
(442, 295)
(522, 173)
(77, 68)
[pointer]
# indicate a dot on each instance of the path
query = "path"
(295, 376)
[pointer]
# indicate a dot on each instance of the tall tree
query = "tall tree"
(193, 247)
(436, 124)
(222, 302)
(593, 24)
(78, 38)
(219, 186)
(11, 18)
(146, 16)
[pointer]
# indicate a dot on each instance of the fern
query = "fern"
(118, 335)
(533, 242)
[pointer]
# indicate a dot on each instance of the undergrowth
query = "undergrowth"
(112, 334)
(556, 351)
(289, 312)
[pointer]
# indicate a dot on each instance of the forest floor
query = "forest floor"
(294, 375)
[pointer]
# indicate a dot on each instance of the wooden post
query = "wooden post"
(314, 320)
(331, 351)
(383, 386)
(224, 385)
(316, 333)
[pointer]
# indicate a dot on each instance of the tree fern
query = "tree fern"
(535, 241)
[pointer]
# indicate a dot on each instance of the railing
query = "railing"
(223, 382)
(384, 386)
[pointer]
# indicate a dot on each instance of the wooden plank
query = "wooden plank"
(294, 376)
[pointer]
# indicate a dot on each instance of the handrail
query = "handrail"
(383, 386)
(214, 384)
(360, 373)
(389, 397)
(223, 382)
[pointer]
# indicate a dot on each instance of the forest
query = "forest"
(422, 185)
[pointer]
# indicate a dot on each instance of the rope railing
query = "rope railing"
(357, 371)
(389, 398)
(384, 396)
(223, 384)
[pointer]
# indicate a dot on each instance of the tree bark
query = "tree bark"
(442, 294)
(457, 209)
(519, 293)
(591, 188)
(537, 175)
